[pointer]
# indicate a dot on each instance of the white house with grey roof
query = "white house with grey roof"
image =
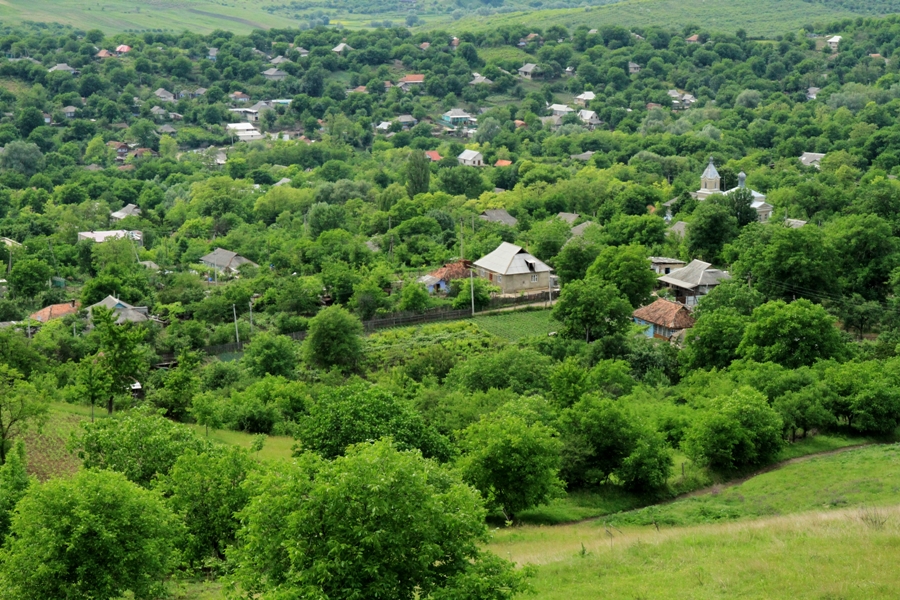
(528, 70)
(513, 270)
(693, 281)
(584, 98)
(130, 210)
(471, 158)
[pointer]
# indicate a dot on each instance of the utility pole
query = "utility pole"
(251, 317)
(237, 335)
(472, 289)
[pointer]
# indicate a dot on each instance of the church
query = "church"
(711, 183)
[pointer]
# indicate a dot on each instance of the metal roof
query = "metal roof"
(695, 274)
(509, 259)
(710, 172)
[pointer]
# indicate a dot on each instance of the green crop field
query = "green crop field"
(761, 18)
(515, 325)
(826, 527)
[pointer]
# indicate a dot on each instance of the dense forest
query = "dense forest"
(140, 231)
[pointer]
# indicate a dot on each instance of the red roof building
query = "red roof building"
(665, 318)
(503, 163)
(433, 155)
(104, 54)
(123, 49)
(411, 79)
(56, 311)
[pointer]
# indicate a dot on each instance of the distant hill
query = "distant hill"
(759, 18)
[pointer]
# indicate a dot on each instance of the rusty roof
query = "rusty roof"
(56, 311)
(451, 271)
(666, 313)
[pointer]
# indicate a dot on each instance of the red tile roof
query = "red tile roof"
(412, 79)
(433, 155)
(502, 163)
(457, 270)
(666, 313)
(56, 311)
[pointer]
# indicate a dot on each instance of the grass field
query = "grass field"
(823, 528)
(761, 18)
(515, 325)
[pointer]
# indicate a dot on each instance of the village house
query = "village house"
(665, 320)
(124, 312)
(584, 156)
(239, 97)
(560, 109)
(121, 149)
(678, 228)
(56, 311)
(63, 68)
(279, 60)
(159, 112)
(633, 68)
(471, 158)
(123, 49)
(213, 54)
(589, 118)
(69, 112)
(812, 159)
(578, 230)
(433, 155)
(274, 74)
(794, 223)
(513, 270)
(407, 121)
(480, 80)
(341, 48)
(498, 216)
(584, 98)
(438, 281)
(834, 42)
(694, 39)
(569, 218)
(663, 266)
(130, 210)
(425, 45)
(303, 52)
(104, 236)
(503, 163)
(553, 122)
(225, 261)
(812, 92)
(104, 53)
(528, 70)
(164, 95)
(408, 81)
(693, 281)
(456, 117)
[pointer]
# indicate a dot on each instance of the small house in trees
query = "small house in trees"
(794, 223)
(408, 81)
(104, 236)
(303, 52)
(578, 230)
(433, 155)
(130, 210)
(239, 97)
(471, 158)
(498, 216)
(424, 45)
(569, 218)
(560, 110)
(159, 112)
(694, 39)
(342, 48)
(584, 98)
(124, 312)
(104, 53)
(633, 68)
(528, 70)
(665, 320)
(678, 228)
(274, 74)
(503, 163)
(834, 42)
(693, 281)
(480, 80)
(407, 121)
(225, 261)
(212, 54)
(812, 92)
(812, 159)
(62, 68)
(279, 60)
(164, 95)
(456, 117)
(589, 118)
(56, 311)
(513, 270)
(663, 266)
(69, 112)
(439, 279)
(123, 49)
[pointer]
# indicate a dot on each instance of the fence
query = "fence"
(399, 319)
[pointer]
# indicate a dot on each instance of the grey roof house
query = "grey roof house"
(513, 269)
(691, 282)
(498, 216)
(225, 261)
(130, 210)
(124, 312)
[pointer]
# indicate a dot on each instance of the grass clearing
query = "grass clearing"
(515, 325)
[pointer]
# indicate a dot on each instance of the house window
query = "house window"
(499, 278)
(668, 270)
(534, 278)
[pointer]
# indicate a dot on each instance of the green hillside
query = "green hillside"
(762, 18)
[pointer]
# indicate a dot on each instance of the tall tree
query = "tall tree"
(418, 173)
(120, 352)
(20, 406)
(592, 309)
(628, 270)
(334, 339)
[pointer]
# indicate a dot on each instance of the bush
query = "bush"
(334, 339)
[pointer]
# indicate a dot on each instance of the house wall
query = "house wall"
(510, 284)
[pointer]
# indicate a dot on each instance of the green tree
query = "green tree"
(649, 464)
(462, 181)
(93, 381)
(14, 482)
(120, 352)
(739, 204)
(627, 269)
(168, 147)
(334, 339)
(714, 339)
(140, 444)
(573, 261)
(592, 309)
(179, 386)
(418, 173)
(597, 434)
(206, 491)
(865, 252)
(548, 238)
(737, 431)
(376, 523)
(712, 226)
(29, 277)
(96, 535)
(351, 415)
(21, 405)
(414, 297)
(270, 354)
(791, 335)
(513, 463)
(97, 152)
(462, 291)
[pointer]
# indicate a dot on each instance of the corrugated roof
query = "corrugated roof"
(567, 217)
(469, 155)
(695, 274)
(509, 259)
(498, 216)
(672, 315)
